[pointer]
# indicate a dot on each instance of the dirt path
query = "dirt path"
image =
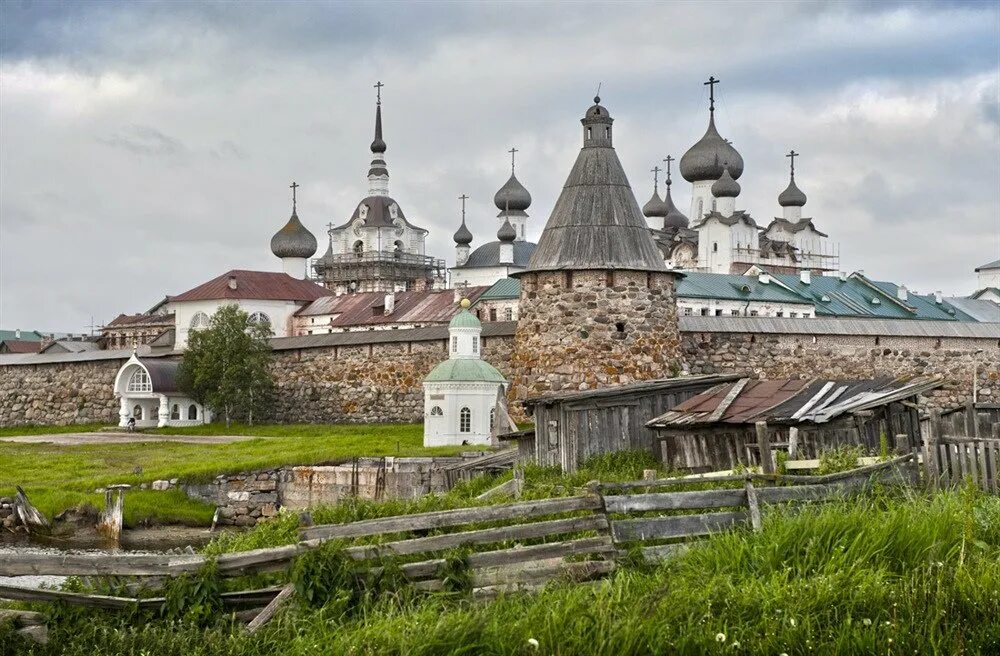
(77, 439)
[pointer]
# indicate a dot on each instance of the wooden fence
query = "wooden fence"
(515, 546)
(951, 459)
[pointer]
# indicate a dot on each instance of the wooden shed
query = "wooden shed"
(573, 426)
(728, 424)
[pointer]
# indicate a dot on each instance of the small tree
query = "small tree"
(226, 368)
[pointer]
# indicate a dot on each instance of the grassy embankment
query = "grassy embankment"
(60, 477)
(888, 574)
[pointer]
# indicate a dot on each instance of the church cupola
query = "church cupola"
(703, 162)
(597, 126)
(673, 218)
(378, 174)
(792, 198)
(294, 244)
(506, 234)
(512, 200)
(725, 190)
(463, 237)
(655, 209)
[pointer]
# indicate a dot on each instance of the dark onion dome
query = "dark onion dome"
(705, 159)
(462, 236)
(293, 240)
(673, 218)
(792, 196)
(506, 233)
(654, 206)
(512, 196)
(378, 145)
(726, 186)
(596, 222)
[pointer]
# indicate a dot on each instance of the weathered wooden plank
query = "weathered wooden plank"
(16, 593)
(696, 479)
(764, 446)
(754, 506)
(696, 499)
(456, 517)
(482, 536)
(653, 528)
(578, 571)
(97, 564)
(727, 400)
(271, 609)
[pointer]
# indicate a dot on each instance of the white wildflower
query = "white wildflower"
(866, 622)
(533, 642)
(720, 637)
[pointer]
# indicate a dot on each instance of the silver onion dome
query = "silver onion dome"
(512, 195)
(293, 240)
(655, 206)
(705, 159)
(726, 186)
(506, 233)
(792, 196)
(463, 237)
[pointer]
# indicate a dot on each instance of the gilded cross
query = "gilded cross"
(711, 92)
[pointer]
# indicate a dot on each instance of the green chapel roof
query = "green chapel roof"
(465, 370)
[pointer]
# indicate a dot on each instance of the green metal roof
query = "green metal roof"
(732, 287)
(465, 319)
(503, 289)
(26, 335)
(465, 369)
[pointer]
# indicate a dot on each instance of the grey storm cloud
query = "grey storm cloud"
(147, 147)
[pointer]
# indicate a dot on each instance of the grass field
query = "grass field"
(59, 477)
(897, 573)
(14, 431)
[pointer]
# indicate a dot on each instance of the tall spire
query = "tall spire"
(378, 174)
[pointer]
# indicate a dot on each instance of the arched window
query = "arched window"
(259, 317)
(436, 411)
(137, 412)
(192, 412)
(465, 421)
(175, 412)
(359, 248)
(139, 382)
(199, 320)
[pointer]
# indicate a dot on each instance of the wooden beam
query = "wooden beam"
(764, 445)
(727, 400)
(751, 496)
(681, 526)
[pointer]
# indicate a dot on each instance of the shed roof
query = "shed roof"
(259, 285)
(640, 388)
(788, 401)
(501, 290)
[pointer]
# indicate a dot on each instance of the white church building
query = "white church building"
(460, 394)
(147, 392)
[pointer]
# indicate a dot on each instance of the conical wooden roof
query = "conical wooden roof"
(596, 223)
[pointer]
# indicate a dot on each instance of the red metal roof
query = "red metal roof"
(368, 308)
(141, 319)
(20, 346)
(755, 397)
(262, 285)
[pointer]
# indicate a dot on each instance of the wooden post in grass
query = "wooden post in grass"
(271, 609)
(752, 502)
(27, 513)
(793, 442)
(110, 523)
(764, 445)
(931, 457)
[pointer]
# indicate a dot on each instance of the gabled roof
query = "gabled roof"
(794, 226)
(723, 286)
(739, 216)
(19, 346)
(25, 335)
(986, 290)
(71, 346)
(502, 290)
(989, 266)
(368, 308)
(789, 401)
(145, 319)
(258, 285)
(978, 310)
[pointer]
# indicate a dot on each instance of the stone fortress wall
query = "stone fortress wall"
(380, 381)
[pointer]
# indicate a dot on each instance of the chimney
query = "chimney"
(843, 276)
(901, 293)
(938, 298)
(805, 276)
(17, 333)
(232, 282)
(390, 303)
(458, 295)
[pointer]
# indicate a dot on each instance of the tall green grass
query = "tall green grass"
(883, 575)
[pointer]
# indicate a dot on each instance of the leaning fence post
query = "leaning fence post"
(752, 503)
(931, 458)
(764, 446)
(793, 442)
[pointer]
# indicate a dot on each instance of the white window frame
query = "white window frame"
(465, 420)
(199, 320)
(259, 317)
(139, 382)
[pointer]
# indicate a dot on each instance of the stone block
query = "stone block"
(238, 496)
(161, 485)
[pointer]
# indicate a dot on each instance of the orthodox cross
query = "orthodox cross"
(378, 90)
(293, 187)
(669, 159)
(463, 198)
(656, 176)
(711, 92)
(512, 151)
(792, 155)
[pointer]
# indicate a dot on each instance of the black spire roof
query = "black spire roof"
(596, 222)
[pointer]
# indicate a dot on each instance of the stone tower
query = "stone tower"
(597, 303)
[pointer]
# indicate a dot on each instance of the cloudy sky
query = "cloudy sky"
(147, 147)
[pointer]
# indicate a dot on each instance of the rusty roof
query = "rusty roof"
(20, 346)
(143, 319)
(368, 308)
(262, 285)
(747, 401)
